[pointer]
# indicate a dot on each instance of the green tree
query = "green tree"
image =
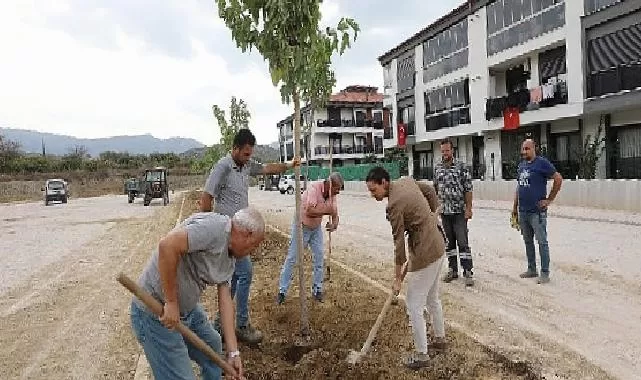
(239, 117)
(9, 152)
(299, 54)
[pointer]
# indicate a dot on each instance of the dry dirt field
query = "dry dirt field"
(63, 315)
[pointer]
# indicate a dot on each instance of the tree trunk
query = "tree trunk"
(304, 317)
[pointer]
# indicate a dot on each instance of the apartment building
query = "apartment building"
(493, 72)
(350, 126)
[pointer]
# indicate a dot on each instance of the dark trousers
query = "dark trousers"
(455, 226)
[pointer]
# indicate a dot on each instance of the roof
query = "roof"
(357, 94)
(444, 22)
(354, 94)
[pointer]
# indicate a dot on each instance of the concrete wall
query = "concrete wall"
(622, 195)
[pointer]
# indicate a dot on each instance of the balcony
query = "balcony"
(450, 118)
(411, 128)
(540, 97)
(347, 125)
(614, 80)
(354, 151)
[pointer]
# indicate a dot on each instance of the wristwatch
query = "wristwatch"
(233, 354)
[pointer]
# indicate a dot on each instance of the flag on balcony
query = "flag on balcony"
(511, 119)
(402, 134)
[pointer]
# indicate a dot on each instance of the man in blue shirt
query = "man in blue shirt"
(531, 204)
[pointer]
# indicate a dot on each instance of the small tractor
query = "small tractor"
(155, 185)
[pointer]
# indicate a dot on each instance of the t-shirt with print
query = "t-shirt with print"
(532, 182)
(228, 184)
(312, 197)
(207, 261)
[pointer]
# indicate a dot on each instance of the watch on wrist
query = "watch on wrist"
(233, 354)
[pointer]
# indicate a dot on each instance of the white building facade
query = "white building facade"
(352, 123)
(564, 67)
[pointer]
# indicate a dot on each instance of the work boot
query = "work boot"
(544, 278)
(469, 281)
(248, 334)
(281, 298)
(417, 361)
(438, 343)
(450, 276)
(529, 274)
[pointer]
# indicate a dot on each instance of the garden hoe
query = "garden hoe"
(157, 309)
(355, 356)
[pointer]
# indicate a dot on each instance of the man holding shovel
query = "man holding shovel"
(202, 251)
(411, 210)
(317, 201)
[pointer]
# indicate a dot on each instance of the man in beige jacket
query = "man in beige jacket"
(411, 210)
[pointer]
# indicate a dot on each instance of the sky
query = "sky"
(98, 68)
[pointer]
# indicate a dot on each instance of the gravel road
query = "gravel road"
(62, 314)
(583, 323)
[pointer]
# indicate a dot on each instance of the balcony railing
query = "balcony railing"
(544, 96)
(614, 80)
(451, 118)
(348, 149)
(347, 123)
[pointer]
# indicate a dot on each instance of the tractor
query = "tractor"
(155, 185)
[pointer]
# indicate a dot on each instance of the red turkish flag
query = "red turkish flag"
(402, 134)
(511, 118)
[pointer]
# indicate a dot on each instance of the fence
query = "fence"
(349, 172)
(624, 195)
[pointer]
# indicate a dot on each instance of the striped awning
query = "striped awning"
(615, 49)
(552, 62)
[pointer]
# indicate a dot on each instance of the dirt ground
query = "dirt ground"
(64, 316)
(341, 324)
(583, 325)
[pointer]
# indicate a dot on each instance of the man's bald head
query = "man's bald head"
(528, 149)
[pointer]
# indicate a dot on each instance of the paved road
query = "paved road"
(591, 309)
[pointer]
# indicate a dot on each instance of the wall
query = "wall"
(604, 194)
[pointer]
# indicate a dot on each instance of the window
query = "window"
(513, 22)
(445, 43)
(596, 5)
(447, 106)
(552, 63)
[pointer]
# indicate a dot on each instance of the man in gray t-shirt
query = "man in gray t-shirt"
(228, 186)
(200, 252)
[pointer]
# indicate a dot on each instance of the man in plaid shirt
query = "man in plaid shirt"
(453, 184)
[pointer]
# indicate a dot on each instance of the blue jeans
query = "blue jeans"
(314, 238)
(535, 224)
(240, 284)
(168, 354)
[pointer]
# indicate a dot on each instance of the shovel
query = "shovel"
(355, 356)
(155, 306)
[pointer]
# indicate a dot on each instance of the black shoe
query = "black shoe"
(281, 298)
(318, 296)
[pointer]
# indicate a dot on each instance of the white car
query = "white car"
(287, 183)
(55, 190)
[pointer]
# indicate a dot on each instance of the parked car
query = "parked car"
(287, 184)
(55, 190)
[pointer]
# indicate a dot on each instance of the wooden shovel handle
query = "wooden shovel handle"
(377, 324)
(157, 308)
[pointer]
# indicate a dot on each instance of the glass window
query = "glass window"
(517, 13)
(526, 8)
(547, 3)
(537, 5)
(499, 15)
(491, 18)
(507, 12)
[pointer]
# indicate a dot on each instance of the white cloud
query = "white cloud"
(91, 68)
